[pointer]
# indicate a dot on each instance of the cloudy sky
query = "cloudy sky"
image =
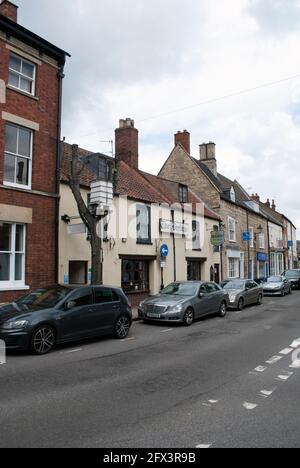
(154, 61)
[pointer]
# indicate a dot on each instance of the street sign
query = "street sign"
(246, 236)
(217, 238)
(291, 244)
(164, 251)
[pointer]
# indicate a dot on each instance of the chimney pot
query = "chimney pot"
(273, 205)
(9, 9)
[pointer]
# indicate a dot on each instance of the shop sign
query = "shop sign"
(168, 227)
(217, 238)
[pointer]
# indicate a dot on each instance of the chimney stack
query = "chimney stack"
(255, 197)
(127, 143)
(208, 156)
(268, 204)
(9, 9)
(183, 138)
(273, 205)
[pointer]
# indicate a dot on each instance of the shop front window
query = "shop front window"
(135, 275)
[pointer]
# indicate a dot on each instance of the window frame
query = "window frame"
(236, 263)
(21, 75)
(231, 220)
(145, 271)
(143, 240)
(232, 195)
(12, 282)
(16, 155)
(183, 193)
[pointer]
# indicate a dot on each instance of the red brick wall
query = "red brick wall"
(136, 298)
(40, 255)
(9, 10)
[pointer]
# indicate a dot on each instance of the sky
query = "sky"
(156, 61)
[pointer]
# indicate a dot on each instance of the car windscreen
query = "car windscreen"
(275, 279)
(235, 285)
(180, 289)
(44, 298)
(292, 274)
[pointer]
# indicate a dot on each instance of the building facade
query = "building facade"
(148, 213)
(245, 249)
(31, 72)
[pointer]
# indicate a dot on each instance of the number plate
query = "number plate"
(151, 315)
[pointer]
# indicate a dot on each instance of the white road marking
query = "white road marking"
(267, 393)
(295, 344)
(295, 365)
(128, 339)
(166, 331)
(286, 351)
(206, 405)
(249, 406)
(274, 359)
(285, 377)
(260, 369)
(213, 402)
(203, 446)
(74, 351)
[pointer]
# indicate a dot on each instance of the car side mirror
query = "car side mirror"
(201, 295)
(71, 305)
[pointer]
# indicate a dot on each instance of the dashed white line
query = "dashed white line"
(203, 446)
(250, 406)
(213, 402)
(267, 393)
(295, 365)
(74, 351)
(260, 369)
(285, 376)
(295, 344)
(167, 331)
(274, 359)
(286, 351)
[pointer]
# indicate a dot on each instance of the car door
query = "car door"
(74, 323)
(107, 308)
(216, 297)
(249, 293)
(203, 302)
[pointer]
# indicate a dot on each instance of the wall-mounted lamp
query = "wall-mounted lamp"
(66, 219)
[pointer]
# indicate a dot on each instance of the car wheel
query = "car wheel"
(223, 310)
(240, 304)
(260, 300)
(188, 318)
(282, 293)
(122, 327)
(43, 340)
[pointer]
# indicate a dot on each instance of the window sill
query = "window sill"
(144, 242)
(14, 288)
(23, 93)
(17, 186)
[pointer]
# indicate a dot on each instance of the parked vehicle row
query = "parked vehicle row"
(61, 314)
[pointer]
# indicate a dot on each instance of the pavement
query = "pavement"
(230, 382)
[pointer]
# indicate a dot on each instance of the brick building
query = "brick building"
(31, 73)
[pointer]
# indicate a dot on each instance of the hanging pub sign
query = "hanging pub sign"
(217, 238)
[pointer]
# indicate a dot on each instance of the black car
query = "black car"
(61, 314)
(294, 277)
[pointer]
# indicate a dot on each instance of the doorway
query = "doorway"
(78, 272)
(194, 271)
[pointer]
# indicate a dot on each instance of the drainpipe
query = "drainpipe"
(269, 250)
(60, 77)
(174, 248)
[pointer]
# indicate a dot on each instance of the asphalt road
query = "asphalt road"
(163, 387)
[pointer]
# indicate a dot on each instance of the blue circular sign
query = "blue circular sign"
(164, 250)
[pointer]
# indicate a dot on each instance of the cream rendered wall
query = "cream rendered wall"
(76, 247)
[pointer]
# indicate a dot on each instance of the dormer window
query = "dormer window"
(183, 193)
(232, 195)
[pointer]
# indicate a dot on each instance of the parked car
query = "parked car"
(243, 293)
(184, 302)
(60, 314)
(294, 277)
(277, 285)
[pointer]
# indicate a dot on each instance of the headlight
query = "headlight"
(142, 304)
(177, 309)
(232, 297)
(17, 325)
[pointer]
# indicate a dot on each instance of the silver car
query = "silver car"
(243, 293)
(277, 286)
(183, 302)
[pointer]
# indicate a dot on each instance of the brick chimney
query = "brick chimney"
(255, 197)
(268, 204)
(273, 205)
(9, 9)
(127, 143)
(208, 156)
(184, 138)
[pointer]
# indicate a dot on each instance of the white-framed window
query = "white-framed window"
(18, 156)
(232, 230)
(261, 241)
(232, 195)
(233, 268)
(251, 238)
(143, 220)
(22, 74)
(196, 235)
(12, 255)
